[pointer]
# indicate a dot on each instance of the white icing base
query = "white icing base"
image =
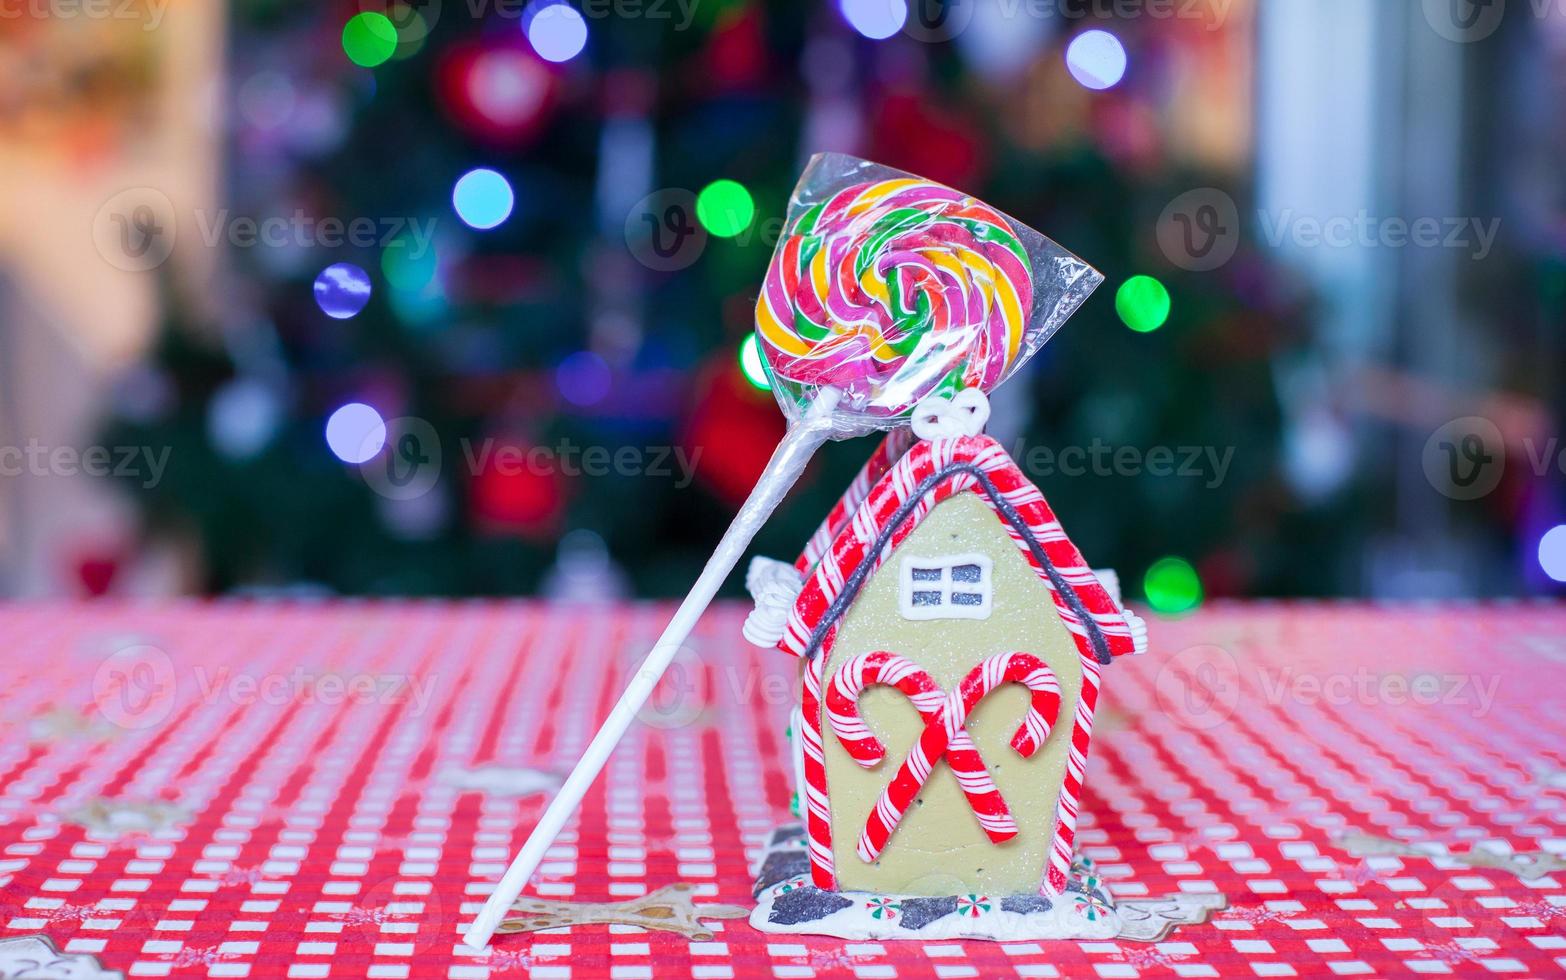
(856, 922)
(1086, 911)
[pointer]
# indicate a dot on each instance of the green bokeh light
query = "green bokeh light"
(369, 39)
(1143, 303)
(1172, 586)
(725, 208)
(750, 363)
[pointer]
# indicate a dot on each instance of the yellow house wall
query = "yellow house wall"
(938, 848)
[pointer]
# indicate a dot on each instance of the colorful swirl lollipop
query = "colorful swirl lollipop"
(891, 291)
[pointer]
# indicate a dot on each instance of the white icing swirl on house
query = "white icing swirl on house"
(774, 585)
(964, 414)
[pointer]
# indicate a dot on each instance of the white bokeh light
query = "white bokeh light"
(556, 31)
(1096, 59)
(1552, 553)
(875, 19)
(355, 433)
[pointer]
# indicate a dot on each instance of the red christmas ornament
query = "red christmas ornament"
(735, 426)
(910, 133)
(519, 489)
(737, 53)
(501, 94)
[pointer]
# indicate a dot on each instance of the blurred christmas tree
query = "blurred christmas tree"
(557, 293)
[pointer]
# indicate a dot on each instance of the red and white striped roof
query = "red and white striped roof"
(937, 470)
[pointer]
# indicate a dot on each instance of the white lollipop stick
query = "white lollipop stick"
(787, 463)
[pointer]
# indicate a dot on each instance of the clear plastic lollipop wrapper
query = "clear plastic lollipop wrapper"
(885, 290)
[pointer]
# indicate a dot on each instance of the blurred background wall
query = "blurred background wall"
(454, 296)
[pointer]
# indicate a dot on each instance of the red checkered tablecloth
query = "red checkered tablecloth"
(329, 790)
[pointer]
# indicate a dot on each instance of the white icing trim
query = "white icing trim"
(1138, 628)
(964, 414)
(1110, 580)
(907, 586)
(774, 585)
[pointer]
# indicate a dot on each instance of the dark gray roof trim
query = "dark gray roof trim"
(856, 581)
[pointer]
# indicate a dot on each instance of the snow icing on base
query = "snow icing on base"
(787, 902)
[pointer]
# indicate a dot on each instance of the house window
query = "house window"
(951, 587)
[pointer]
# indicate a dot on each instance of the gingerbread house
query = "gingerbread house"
(951, 640)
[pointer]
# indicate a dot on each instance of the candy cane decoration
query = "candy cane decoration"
(850, 681)
(864, 748)
(945, 734)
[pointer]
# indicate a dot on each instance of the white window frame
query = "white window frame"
(944, 609)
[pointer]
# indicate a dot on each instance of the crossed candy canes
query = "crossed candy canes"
(945, 734)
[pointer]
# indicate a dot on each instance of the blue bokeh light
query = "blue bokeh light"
(482, 198)
(342, 290)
